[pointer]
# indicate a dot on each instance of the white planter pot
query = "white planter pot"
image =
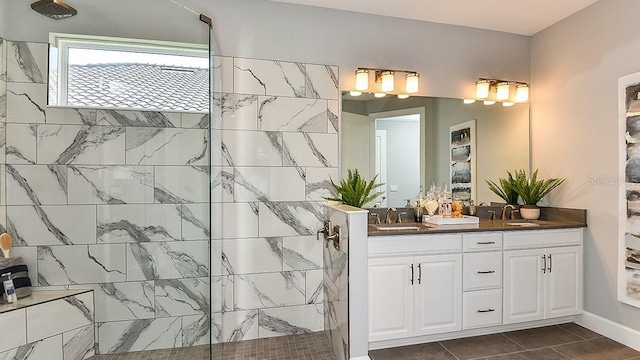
(530, 213)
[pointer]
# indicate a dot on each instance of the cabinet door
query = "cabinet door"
(390, 298)
(438, 294)
(523, 286)
(564, 281)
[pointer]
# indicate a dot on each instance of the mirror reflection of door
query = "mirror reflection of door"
(381, 164)
(400, 143)
(358, 145)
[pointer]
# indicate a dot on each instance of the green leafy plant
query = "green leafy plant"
(532, 190)
(506, 189)
(355, 190)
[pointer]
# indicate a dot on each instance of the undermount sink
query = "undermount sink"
(398, 227)
(526, 223)
(523, 224)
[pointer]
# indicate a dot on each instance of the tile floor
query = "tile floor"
(313, 346)
(559, 342)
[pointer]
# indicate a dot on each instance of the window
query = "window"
(91, 71)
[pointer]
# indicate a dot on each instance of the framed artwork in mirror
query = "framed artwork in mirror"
(463, 161)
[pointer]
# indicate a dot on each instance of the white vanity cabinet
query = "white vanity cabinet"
(427, 284)
(412, 295)
(540, 281)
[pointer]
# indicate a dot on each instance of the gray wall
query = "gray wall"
(575, 68)
(449, 58)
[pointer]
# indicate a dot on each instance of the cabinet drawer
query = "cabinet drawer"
(482, 270)
(414, 244)
(482, 308)
(482, 241)
(542, 238)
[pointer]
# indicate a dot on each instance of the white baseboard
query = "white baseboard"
(360, 358)
(620, 333)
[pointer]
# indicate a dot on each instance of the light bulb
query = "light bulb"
(412, 82)
(379, 95)
(403, 96)
(503, 91)
(522, 93)
(489, 102)
(482, 89)
(362, 79)
(355, 93)
(387, 81)
(468, 101)
(507, 103)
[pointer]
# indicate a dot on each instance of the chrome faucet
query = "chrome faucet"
(492, 215)
(400, 216)
(389, 211)
(377, 217)
(504, 211)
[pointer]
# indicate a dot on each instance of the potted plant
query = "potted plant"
(531, 191)
(355, 190)
(505, 189)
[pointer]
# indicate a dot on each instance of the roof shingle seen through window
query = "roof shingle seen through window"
(139, 86)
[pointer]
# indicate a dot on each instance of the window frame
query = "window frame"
(63, 42)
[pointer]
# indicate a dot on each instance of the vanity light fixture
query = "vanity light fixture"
(355, 93)
(522, 92)
(507, 103)
(403, 96)
(502, 91)
(469, 101)
(386, 79)
(362, 79)
(482, 88)
(489, 102)
(380, 95)
(412, 82)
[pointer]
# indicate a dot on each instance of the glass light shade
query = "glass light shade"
(489, 102)
(468, 101)
(503, 91)
(507, 103)
(387, 81)
(355, 93)
(482, 89)
(403, 96)
(522, 93)
(412, 83)
(379, 95)
(362, 79)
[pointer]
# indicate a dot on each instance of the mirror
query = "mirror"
(424, 141)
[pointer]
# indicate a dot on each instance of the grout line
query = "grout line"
(513, 341)
(447, 349)
(559, 352)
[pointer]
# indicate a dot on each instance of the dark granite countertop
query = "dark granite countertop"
(550, 218)
(484, 225)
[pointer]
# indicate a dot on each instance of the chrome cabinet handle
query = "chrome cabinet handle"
(486, 311)
(485, 242)
(487, 272)
(550, 263)
(419, 273)
(411, 274)
(544, 267)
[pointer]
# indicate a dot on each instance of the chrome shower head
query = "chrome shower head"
(55, 9)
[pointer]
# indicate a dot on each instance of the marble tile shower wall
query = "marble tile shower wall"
(115, 201)
(277, 123)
